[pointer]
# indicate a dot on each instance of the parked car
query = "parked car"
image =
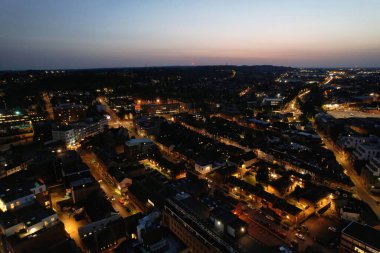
(332, 229)
(79, 216)
(294, 243)
(300, 236)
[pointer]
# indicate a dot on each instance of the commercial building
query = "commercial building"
(15, 129)
(160, 109)
(356, 237)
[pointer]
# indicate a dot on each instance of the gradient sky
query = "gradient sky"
(46, 34)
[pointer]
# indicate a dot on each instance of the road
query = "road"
(343, 159)
(115, 121)
(217, 138)
(96, 170)
(48, 106)
(292, 107)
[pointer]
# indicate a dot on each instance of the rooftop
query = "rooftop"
(29, 216)
(363, 233)
(17, 185)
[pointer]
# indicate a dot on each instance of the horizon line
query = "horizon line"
(183, 66)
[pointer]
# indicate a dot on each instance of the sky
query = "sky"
(67, 34)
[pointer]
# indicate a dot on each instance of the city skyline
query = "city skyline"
(87, 34)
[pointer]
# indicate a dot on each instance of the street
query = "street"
(360, 189)
(91, 160)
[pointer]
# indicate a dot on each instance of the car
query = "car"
(284, 249)
(79, 216)
(332, 229)
(300, 236)
(281, 234)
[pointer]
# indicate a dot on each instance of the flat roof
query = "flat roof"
(137, 141)
(28, 215)
(363, 233)
(17, 185)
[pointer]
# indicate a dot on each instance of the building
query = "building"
(351, 141)
(81, 186)
(9, 166)
(160, 108)
(66, 113)
(104, 226)
(137, 148)
(21, 189)
(367, 149)
(15, 129)
(356, 237)
(272, 101)
(350, 213)
(371, 174)
(73, 133)
(203, 167)
(227, 223)
(43, 240)
(27, 220)
(191, 229)
(147, 126)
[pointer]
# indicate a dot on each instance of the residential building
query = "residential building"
(21, 189)
(73, 133)
(136, 148)
(371, 174)
(66, 113)
(368, 149)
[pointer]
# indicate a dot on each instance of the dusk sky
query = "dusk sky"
(45, 34)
